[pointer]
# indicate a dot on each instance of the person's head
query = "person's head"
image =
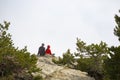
(48, 46)
(43, 44)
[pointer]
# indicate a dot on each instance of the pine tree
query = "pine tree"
(67, 59)
(117, 28)
(91, 58)
(14, 63)
(112, 64)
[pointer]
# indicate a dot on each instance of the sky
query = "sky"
(59, 22)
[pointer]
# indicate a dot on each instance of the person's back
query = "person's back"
(41, 50)
(48, 51)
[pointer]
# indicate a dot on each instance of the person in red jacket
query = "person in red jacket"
(48, 51)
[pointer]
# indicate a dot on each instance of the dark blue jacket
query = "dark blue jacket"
(41, 51)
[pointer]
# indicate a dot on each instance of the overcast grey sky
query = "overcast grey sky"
(59, 22)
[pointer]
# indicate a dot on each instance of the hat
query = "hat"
(48, 46)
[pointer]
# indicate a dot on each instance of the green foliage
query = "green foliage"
(112, 64)
(57, 61)
(38, 78)
(84, 64)
(14, 62)
(68, 59)
(93, 50)
(117, 28)
(91, 57)
(10, 77)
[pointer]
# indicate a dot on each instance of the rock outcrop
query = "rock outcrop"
(51, 71)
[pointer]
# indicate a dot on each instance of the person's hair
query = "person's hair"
(43, 44)
(48, 46)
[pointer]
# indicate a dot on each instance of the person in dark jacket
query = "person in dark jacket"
(48, 51)
(41, 50)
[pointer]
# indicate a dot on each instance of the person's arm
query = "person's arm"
(50, 52)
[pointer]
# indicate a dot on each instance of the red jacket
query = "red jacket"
(48, 51)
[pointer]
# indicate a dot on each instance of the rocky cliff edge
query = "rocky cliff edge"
(51, 71)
